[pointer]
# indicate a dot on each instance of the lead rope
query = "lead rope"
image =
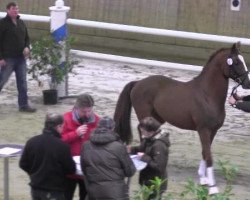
(234, 89)
(233, 93)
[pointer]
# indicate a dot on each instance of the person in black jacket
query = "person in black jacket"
(105, 164)
(240, 102)
(14, 49)
(47, 160)
(153, 150)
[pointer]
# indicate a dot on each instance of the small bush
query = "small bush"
(193, 190)
(47, 56)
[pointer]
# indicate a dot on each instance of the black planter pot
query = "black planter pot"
(50, 97)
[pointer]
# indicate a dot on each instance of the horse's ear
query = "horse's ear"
(236, 47)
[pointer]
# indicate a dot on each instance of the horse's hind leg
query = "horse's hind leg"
(206, 170)
(142, 109)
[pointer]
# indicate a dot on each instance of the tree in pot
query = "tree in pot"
(45, 65)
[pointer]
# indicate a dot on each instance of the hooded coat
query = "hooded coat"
(156, 151)
(105, 163)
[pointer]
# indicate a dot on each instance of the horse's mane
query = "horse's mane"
(213, 55)
(206, 66)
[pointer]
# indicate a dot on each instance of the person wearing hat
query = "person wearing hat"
(78, 124)
(47, 160)
(105, 163)
(153, 150)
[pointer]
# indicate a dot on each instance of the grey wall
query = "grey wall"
(202, 16)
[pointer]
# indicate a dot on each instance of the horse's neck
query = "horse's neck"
(213, 83)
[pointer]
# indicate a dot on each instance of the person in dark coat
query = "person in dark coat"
(14, 49)
(105, 163)
(47, 160)
(153, 150)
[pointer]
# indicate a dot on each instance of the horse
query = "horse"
(198, 104)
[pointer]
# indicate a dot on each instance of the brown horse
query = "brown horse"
(198, 104)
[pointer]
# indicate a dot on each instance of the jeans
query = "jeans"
(46, 195)
(17, 64)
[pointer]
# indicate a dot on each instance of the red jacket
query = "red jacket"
(70, 136)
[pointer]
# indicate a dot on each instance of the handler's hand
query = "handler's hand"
(2, 63)
(128, 148)
(81, 130)
(231, 100)
(26, 52)
(237, 96)
(140, 154)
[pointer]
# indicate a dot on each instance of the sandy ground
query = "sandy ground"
(105, 80)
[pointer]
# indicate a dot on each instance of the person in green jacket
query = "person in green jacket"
(154, 150)
(14, 49)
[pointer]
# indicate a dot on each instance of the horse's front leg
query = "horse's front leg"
(202, 172)
(206, 170)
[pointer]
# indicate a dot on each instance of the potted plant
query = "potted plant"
(47, 54)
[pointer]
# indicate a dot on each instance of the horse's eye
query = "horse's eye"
(236, 62)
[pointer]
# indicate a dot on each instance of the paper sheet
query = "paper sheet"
(139, 165)
(8, 150)
(78, 165)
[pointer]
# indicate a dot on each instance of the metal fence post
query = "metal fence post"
(6, 178)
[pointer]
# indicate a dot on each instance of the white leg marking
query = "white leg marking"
(202, 172)
(202, 168)
(211, 181)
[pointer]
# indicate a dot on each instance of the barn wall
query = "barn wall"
(201, 16)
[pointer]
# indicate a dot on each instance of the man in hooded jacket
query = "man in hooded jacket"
(105, 163)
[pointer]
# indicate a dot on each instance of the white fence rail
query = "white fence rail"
(157, 31)
(136, 61)
(33, 18)
(137, 29)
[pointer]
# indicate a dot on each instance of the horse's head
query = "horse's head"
(237, 69)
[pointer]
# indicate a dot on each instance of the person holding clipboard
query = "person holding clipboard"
(153, 150)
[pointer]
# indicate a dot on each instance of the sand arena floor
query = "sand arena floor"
(105, 80)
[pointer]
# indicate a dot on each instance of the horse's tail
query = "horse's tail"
(123, 113)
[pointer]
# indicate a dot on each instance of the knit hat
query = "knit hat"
(106, 123)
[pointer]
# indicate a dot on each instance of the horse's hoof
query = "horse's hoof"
(203, 181)
(213, 190)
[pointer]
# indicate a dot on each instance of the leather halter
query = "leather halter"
(238, 79)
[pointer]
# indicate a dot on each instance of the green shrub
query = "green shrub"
(47, 56)
(193, 190)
